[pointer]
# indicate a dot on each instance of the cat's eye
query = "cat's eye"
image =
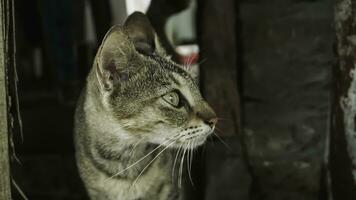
(172, 98)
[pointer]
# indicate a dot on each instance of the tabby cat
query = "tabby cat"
(138, 112)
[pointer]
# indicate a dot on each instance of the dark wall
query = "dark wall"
(288, 58)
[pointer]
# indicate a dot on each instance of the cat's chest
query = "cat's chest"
(157, 191)
(153, 183)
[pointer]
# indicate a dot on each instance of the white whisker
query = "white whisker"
(175, 160)
(133, 164)
(181, 169)
(189, 164)
(135, 145)
(152, 161)
(223, 142)
(191, 156)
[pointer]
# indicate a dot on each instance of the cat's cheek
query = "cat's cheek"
(158, 135)
(164, 135)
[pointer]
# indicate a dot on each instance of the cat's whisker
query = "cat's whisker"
(191, 156)
(189, 164)
(152, 161)
(175, 160)
(222, 141)
(181, 169)
(201, 61)
(187, 157)
(191, 59)
(122, 171)
(188, 153)
(189, 63)
(135, 145)
(212, 141)
(185, 65)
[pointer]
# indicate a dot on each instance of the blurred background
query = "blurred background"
(264, 66)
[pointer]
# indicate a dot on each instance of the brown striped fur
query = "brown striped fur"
(137, 101)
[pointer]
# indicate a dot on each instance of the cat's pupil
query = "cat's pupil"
(171, 98)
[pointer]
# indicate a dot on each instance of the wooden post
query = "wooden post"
(218, 42)
(342, 157)
(218, 54)
(5, 192)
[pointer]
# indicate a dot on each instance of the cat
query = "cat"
(137, 113)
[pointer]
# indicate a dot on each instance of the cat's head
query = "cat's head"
(150, 96)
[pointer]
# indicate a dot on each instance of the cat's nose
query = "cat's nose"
(208, 118)
(207, 115)
(212, 122)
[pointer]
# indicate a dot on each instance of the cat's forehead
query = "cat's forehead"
(171, 67)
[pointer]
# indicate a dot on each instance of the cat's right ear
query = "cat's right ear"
(143, 35)
(112, 56)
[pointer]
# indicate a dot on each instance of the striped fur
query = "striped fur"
(128, 136)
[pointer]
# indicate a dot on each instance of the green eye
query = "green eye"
(172, 98)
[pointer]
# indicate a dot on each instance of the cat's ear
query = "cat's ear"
(122, 45)
(112, 57)
(141, 33)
